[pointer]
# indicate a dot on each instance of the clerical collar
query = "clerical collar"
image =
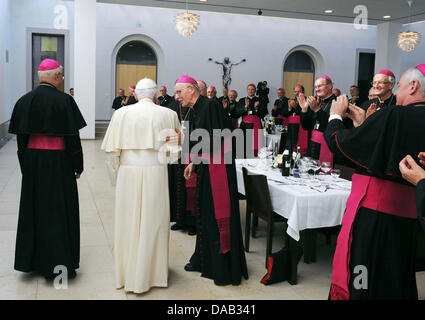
(331, 97)
(46, 84)
(417, 104)
(386, 101)
(252, 97)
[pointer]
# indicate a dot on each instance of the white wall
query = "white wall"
(417, 56)
(5, 97)
(263, 41)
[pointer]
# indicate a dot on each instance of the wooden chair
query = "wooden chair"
(258, 203)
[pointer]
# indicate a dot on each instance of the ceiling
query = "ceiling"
(343, 10)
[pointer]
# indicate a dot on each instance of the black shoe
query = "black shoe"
(191, 231)
(190, 268)
(176, 227)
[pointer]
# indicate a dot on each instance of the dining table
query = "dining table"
(309, 202)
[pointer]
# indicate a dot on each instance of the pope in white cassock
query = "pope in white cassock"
(138, 151)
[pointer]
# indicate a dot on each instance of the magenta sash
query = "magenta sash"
(221, 195)
(257, 131)
(46, 142)
(372, 193)
(326, 155)
(302, 134)
(285, 120)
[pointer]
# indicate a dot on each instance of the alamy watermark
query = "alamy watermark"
(61, 17)
(360, 281)
(217, 147)
(60, 282)
(361, 18)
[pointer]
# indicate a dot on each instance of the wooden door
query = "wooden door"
(129, 75)
(291, 79)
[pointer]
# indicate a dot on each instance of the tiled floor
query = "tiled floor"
(95, 278)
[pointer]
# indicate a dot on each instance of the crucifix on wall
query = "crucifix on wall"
(227, 69)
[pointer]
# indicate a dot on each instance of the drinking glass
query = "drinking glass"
(315, 165)
(303, 165)
(326, 167)
(335, 173)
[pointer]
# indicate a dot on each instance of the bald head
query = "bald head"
(233, 95)
(202, 87)
(299, 88)
(411, 87)
(211, 92)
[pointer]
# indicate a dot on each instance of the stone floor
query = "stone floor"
(95, 278)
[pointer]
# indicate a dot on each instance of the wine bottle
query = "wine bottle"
(286, 163)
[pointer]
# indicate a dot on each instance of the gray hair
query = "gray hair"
(214, 88)
(49, 73)
(195, 86)
(414, 74)
(391, 79)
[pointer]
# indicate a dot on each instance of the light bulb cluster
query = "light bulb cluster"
(408, 40)
(187, 23)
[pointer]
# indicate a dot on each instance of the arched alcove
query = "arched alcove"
(140, 51)
(301, 64)
(135, 60)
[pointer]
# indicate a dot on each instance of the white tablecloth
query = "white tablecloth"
(302, 206)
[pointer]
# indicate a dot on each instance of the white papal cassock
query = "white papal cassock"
(135, 144)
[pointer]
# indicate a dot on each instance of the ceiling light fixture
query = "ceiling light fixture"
(408, 40)
(328, 11)
(187, 23)
(386, 17)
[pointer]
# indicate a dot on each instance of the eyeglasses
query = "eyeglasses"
(379, 83)
(179, 92)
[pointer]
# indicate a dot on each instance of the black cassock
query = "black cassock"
(48, 228)
(384, 243)
(420, 207)
(166, 100)
(131, 100)
(311, 120)
(229, 267)
(118, 102)
(391, 101)
(420, 202)
(282, 107)
(179, 211)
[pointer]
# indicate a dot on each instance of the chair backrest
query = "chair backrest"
(346, 172)
(257, 192)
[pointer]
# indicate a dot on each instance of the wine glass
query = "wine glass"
(303, 165)
(315, 165)
(335, 173)
(326, 167)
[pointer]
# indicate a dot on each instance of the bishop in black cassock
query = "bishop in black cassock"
(376, 250)
(47, 123)
(219, 252)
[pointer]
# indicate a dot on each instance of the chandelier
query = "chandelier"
(187, 23)
(408, 40)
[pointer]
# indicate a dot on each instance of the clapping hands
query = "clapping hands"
(410, 170)
(371, 110)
